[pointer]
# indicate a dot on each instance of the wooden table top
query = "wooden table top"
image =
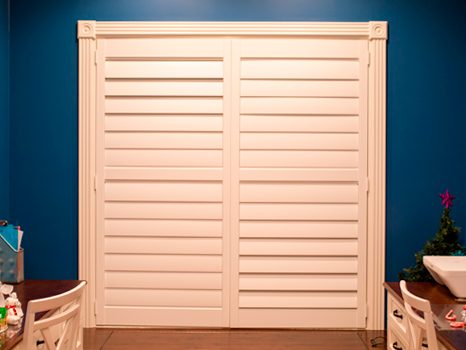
(30, 290)
(441, 299)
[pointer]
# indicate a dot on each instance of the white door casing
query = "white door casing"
(246, 172)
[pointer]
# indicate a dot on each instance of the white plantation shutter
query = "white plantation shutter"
(231, 182)
(163, 240)
(301, 223)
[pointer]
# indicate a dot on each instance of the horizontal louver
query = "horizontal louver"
(230, 181)
(299, 183)
(162, 182)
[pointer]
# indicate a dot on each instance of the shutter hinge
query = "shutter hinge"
(366, 184)
(95, 182)
(95, 57)
(368, 58)
(95, 308)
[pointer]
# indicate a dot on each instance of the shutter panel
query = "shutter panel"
(162, 245)
(300, 220)
(231, 182)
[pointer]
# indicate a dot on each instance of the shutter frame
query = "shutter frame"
(375, 32)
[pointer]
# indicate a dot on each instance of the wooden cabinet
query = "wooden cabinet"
(397, 325)
(397, 319)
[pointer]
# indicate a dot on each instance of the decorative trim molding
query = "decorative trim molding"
(86, 219)
(347, 29)
(86, 29)
(376, 174)
(375, 32)
(378, 30)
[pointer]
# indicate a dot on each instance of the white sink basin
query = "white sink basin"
(448, 270)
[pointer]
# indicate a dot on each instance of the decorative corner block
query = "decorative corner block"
(86, 29)
(378, 30)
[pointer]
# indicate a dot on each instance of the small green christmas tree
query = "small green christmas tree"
(445, 242)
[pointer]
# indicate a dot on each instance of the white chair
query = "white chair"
(62, 311)
(420, 321)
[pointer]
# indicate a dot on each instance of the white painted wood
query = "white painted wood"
(123, 210)
(168, 263)
(163, 123)
(163, 88)
(272, 136)
(163, 105)
(327, 30)
(164, 48)
(163, 173)
(302, 105)
(298, 247)
(267, 211)
(363, 187)
(394, 341)
(228, 167)
(167, 118)
(250, 123)
(301, 300)
(301, 282)
(376, 174)
(302, 141)
(298, 174)
(299, 69)
(422, 328)
(273, 192)
(235, 182)
(163, 140)
(336, 265)
(59, 326)
(87, 170)
(399, 324)
(299, 136)
(298, 48)
(99, 181)
(164, 280)
(296, 318)
(157, 245)
(298, 229)
(163, 228)
(174, 191)
(163, 297)
(169, 158)
(316, 159)
(299, 88)
(160, 316)
(164, 69)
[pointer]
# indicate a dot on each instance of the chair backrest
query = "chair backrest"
(420, 320)
(62, 310)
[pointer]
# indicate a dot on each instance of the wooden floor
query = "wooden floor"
(142, 339)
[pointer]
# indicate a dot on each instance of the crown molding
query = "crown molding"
(93, 29)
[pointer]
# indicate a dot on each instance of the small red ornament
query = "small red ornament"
(450, 316)
(457, 324)
(447, 199)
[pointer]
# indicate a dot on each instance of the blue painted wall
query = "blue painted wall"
(426, 118)
(4, 112)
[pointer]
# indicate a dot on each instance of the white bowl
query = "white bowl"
(448, 270)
